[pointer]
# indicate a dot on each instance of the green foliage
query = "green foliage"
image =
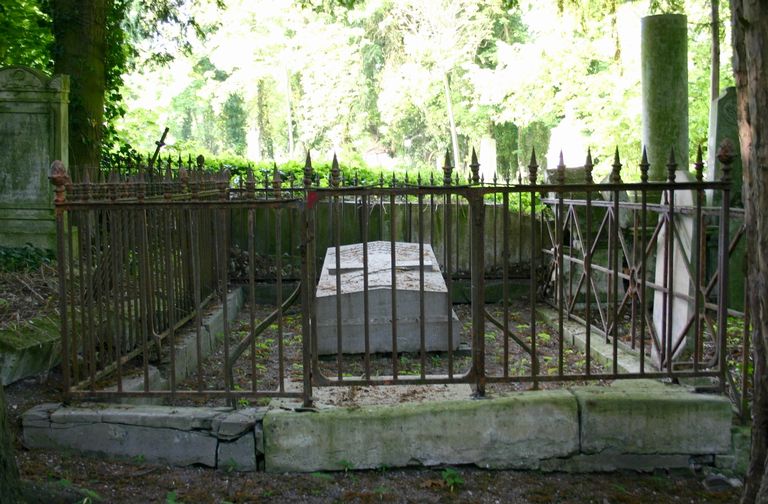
(452, 478)
(25, 34)
(346, 465)
(234, 118)
(24, 258)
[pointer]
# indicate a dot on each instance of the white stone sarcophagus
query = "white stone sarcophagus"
(437, 304)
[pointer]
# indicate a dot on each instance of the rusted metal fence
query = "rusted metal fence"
(142, 255)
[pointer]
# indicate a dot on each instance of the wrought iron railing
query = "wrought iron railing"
(141, 256)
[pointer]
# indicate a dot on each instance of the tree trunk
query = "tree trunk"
(714, 76)
(80, 52)
(266, 149)
(750, 63)
(10, 486)
(451, 122)
(289, 118)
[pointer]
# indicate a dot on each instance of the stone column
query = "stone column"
(33, 133)
(664, 61)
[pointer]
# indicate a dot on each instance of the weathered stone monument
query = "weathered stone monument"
(722, 125)
(33, 133)
(408, 311)
(664, 78)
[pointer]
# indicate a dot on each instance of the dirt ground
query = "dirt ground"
(134, 481)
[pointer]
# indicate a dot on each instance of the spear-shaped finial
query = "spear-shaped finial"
(475, 167)
(533, 167)
(560, 170)
(671, 165)
(616, 168)
(447, 168)
(335, 172)
(250, 182)
(308, 171)
(699, 165)
(588, 165)
(644, 167)
(277, 181)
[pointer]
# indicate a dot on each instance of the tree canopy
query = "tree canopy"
(384, 81)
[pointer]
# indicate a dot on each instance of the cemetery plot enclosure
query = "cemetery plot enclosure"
(147, 256)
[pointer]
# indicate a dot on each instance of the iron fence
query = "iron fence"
(142, 255)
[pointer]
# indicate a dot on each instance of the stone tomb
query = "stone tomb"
(436, 300)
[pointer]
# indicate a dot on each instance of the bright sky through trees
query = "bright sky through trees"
(380, 83)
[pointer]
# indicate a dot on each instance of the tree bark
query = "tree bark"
(750, 64)
(10, 485)
(289, 118)
(451, 122)
(79, 28)
(714, 76)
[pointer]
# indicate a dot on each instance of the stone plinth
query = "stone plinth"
(408, 286)
(33, 133)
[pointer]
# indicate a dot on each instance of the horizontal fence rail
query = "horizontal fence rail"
(389, 282)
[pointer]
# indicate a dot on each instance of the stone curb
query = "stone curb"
(640, 425)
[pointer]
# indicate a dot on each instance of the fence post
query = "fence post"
(59, 178)
(307, 281)
(477, 209)
(726, 155)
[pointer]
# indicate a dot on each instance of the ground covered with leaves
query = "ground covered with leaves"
(84, 479)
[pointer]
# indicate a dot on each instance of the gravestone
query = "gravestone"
(722, 125)
(682, 283)
(33, 133)
(436, 300)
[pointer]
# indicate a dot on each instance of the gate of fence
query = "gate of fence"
(145, 258)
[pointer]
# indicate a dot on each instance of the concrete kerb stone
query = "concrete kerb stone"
(175, 435)
(211, 330)
(601, 352)
(649, 417)
(518, 430)
(638, 425)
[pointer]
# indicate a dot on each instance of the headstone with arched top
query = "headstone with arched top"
(33, 133)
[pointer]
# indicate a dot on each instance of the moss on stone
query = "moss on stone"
(34, 332)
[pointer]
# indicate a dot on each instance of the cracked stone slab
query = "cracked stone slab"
(229, 426)
(39, 413)
(167, 417)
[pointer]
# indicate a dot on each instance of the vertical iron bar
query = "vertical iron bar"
(422, 307)
(393, 270)
(505, 280)
(366, 300)
(725, 156)
(477, 272)
(252, 294)
(644, 166)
